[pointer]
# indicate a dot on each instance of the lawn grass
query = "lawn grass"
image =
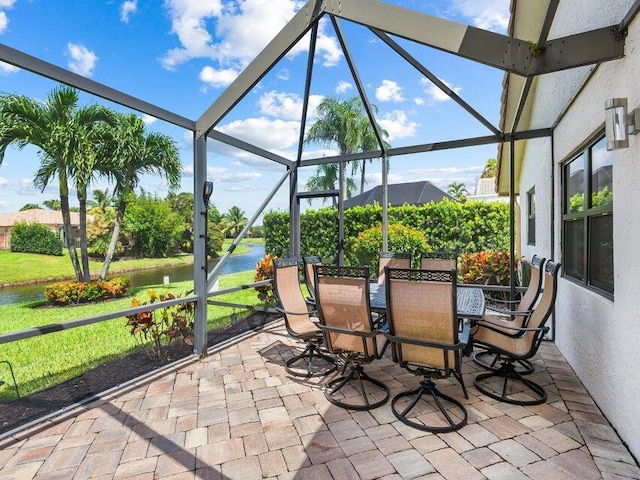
(20, 268)
(46, 360)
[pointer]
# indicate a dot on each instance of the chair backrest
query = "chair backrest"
(290, 297)
(439, 261)
(529, 298)
(393, 260)
(543, 309)
(421, 305)
(308, 263)
(342, 299)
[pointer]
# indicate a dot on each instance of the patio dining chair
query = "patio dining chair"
(307, 269)
(514, 344)
(423, 330)
(439, 261)
(342, 299)
(300, 323)
(394, 260)
(13, 377)
(500, 311)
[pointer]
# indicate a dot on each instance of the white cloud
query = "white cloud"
(398, 125)
(82, 61)
(127, 8)
(343, 87)
(434, 93)
(22, 186)
(418, 101)
(223, 175)
(148, 119)
(237, 40)
(7, 69)
(218, 78)
(4, 20)
(273, 135)
(389, 91)
(284, 74)
(286, 105)
(485, 14)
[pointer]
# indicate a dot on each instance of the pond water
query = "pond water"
(235, 263)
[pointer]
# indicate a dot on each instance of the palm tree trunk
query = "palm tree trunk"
(84, 255)
(68, 235)
(364, 163)
(122, 205)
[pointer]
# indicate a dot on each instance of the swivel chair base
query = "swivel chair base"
(356, 378)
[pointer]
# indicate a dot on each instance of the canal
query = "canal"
(139, 278)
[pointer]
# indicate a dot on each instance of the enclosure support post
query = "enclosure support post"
(294, 214)
(200, 246)
(341, 195)
(385, 203)
(512, 220)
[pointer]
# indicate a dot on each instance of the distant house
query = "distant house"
(486, 191)
(50, 218)
(413, 193)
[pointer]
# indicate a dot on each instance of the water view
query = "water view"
(235, 263)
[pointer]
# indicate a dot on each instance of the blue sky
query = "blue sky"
(181, 54)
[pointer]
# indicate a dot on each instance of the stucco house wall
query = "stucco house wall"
(598, 336)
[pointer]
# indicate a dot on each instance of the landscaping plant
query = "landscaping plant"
(160, 330)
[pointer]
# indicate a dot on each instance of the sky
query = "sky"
(181, 54)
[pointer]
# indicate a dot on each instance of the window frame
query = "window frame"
(531, 216)
(585, 215)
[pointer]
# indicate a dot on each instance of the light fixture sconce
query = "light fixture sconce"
(615, 123)
(207, 191)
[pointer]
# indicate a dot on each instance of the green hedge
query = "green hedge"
(35, 238)
(448, 226)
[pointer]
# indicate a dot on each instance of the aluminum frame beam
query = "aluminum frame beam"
(58, 74)
(248, 147)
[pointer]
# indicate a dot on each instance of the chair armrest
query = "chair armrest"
(517, 331)
(286, 312)
(500, 300)
(424, 343)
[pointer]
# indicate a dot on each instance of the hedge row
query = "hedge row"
(72, 292)
(448, 226)
(35, 238)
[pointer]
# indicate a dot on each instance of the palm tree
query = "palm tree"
(234, 221)
(101, 199)
(52, 204)
(60, 130)
(490, 169)
(345, 123)
(458, 190)
(326, 178)
(131, 152)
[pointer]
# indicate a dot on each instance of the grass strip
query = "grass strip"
(46, 360)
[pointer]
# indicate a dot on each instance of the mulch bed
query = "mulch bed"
(26, 409)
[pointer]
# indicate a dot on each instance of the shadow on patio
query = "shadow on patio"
(237, 415)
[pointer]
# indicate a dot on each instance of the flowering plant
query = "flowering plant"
(265, 270)
(159, 330)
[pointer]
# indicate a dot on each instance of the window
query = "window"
(531, 217)
(587, 249)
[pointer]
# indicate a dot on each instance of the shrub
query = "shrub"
(484, 268)
(35, 238)
(265, 270)
(73, 293)
(161, 329)
(366, 248)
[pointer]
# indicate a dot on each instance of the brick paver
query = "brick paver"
(236, 414)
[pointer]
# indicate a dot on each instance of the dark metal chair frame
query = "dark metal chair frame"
(307, 272)
(352, 371)
(313, 339)
(428, 372)
(13, 377)
(442, 255)
(535, 325)
(490, 359)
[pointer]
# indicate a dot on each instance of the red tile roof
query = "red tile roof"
(51, 218)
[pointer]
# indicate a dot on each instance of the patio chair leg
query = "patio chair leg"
(491, 361)
(356, 374)
(311, 353)
(508, 372)
(428, 387)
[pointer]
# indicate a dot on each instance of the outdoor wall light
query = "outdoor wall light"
(615, 123)
(207, 191)
(618, 124)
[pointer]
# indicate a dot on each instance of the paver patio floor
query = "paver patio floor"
(236, 414)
